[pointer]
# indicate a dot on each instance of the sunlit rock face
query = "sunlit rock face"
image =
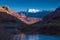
(29, 20)
(10, 20)
(8, 16)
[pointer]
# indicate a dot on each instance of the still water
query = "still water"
(35, 37)
(41, 37)
(38, 37)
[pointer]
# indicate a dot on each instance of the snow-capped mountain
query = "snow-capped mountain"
(32, 15)
(33, 10)
(35, 13)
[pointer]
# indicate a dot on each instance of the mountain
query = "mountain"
(8, 22)
(50, 24)
(39, 14)
(33, 10)
(10, 12)
(29, 16)
(29, 20)
(11, 21)
(8, 15)
(52, 15)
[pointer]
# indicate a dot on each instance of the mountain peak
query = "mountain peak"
(5, 7)
(2, 9)
(58, 9)
(33, 10)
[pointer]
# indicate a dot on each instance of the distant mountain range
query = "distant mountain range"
(31, 16)
(39, 14)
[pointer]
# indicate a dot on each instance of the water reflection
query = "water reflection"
(35, 37)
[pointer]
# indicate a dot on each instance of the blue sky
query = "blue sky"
(18, 5)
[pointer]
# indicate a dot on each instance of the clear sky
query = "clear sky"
(18, 5)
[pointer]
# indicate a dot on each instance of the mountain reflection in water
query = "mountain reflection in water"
(37, 37)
